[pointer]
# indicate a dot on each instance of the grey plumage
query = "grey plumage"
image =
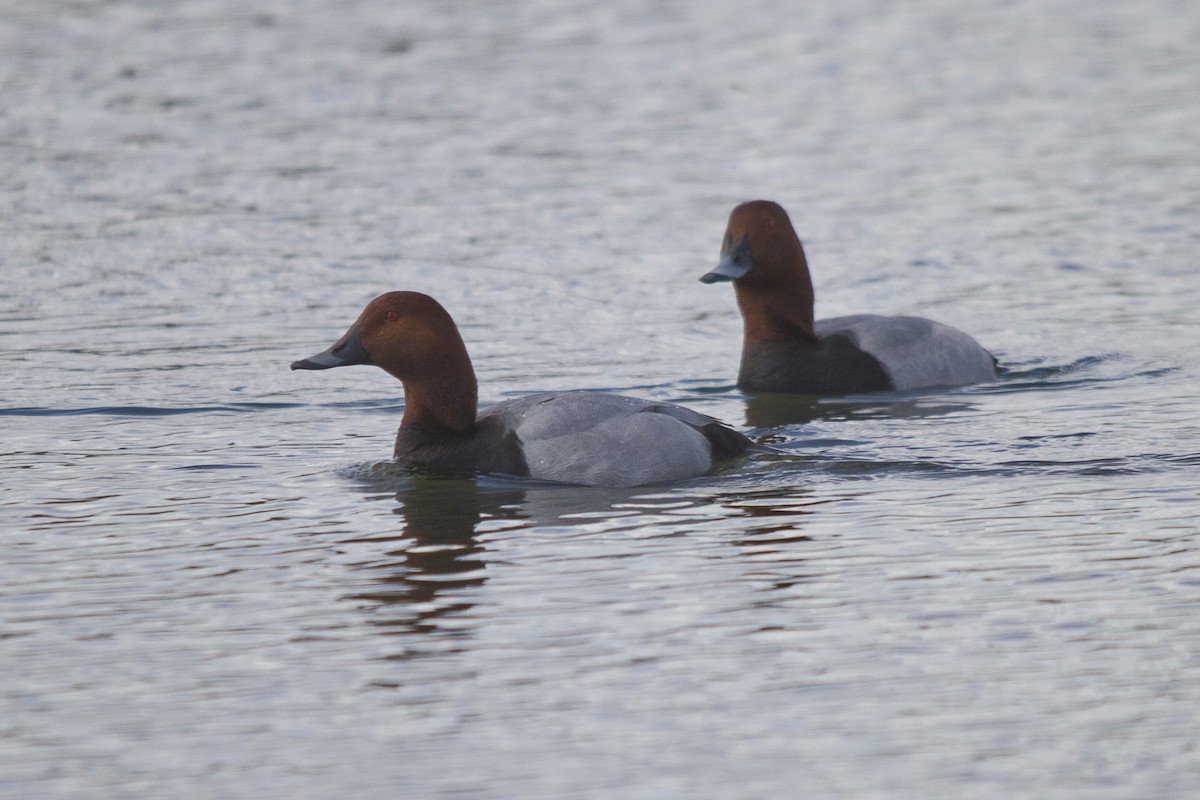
(605, 439)
(916, 353)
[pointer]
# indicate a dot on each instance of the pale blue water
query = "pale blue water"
(214, 585)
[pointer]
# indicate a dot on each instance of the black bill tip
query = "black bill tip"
(343, 353)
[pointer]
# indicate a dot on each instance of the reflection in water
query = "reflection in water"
(425, 580)
(771, 510)
(771, 542)
(773, 410)
(430, 583)
(561, 505)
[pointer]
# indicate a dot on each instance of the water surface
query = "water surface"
(214, 583)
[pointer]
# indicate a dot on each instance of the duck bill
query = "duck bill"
(345, 352)
(735, 263)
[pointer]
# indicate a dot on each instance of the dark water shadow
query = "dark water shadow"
(428, 579)
(428, 593)
(771, 541)
(776, 410)
(142, 411)
(1106, 368)
(431, 576)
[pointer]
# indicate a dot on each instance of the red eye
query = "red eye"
(392, 316)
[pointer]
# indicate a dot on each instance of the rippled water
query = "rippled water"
(213, 584)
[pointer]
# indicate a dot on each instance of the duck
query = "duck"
(784, 350)
(577, 437)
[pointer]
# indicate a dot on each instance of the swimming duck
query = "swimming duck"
(590, 438)
(783, 350)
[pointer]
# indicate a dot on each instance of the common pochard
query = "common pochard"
(581, 437)
(783, 350)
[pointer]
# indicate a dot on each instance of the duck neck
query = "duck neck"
(778, 311)
(443, 399)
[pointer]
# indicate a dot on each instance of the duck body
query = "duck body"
(589, 438)
(784, 350)
(866, 353)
